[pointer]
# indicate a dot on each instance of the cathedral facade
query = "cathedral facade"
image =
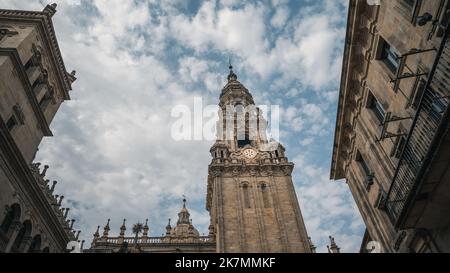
(250, 194)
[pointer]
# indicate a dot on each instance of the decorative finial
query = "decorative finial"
(67, 213)
(146, 228)
(97, 234)
(52, 189)
(72, 222)
(184, 201)
(123, 228)
(231, 76)
(60, 200)
(106, 229)
(44, 172)
(168, 228)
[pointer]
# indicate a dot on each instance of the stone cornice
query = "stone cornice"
(15, 58)
(26, 183)
(257, 170)
(44, 21)
(343, 89)
(348, 85)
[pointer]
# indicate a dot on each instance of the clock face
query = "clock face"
(250, 153)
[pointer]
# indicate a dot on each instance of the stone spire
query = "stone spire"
(333, 247)
(168, 228)
(106, 229)
(146, 228)
(96, 235)
(123, 228)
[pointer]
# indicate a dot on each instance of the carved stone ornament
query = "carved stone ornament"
(4, 32)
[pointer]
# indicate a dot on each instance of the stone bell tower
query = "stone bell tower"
(251, 196)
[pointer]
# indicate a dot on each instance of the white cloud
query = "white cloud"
(280, 17)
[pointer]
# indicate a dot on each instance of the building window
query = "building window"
(417, 96)
(362, 163)
(444, 22)
(409, 4)
(374, 104)
(369, 176)
(398, 147)
(388, 55)
(410, 9)
(13, 214)
(265, 195)
(11, 123)
(246, 194)
(244, 142)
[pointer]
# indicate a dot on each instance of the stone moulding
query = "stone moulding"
(44, 22)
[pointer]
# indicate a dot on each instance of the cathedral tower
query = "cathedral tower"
(251, 196)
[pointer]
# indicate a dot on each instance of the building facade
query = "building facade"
(33, 85)
(391, 143)
(250, 194)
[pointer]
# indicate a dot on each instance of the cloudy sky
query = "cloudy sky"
(112, 151)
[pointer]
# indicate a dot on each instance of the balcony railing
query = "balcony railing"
(157, 240)
(431, 115)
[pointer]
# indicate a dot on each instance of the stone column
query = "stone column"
(26, 243)
(16, 226)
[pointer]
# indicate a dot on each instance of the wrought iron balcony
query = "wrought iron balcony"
(427, 128)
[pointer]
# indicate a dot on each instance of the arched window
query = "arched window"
(35, 246)
(12, 215)
(265, 195)
(24, 232)
(246, 193)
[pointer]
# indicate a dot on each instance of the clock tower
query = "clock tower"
(251, 197)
